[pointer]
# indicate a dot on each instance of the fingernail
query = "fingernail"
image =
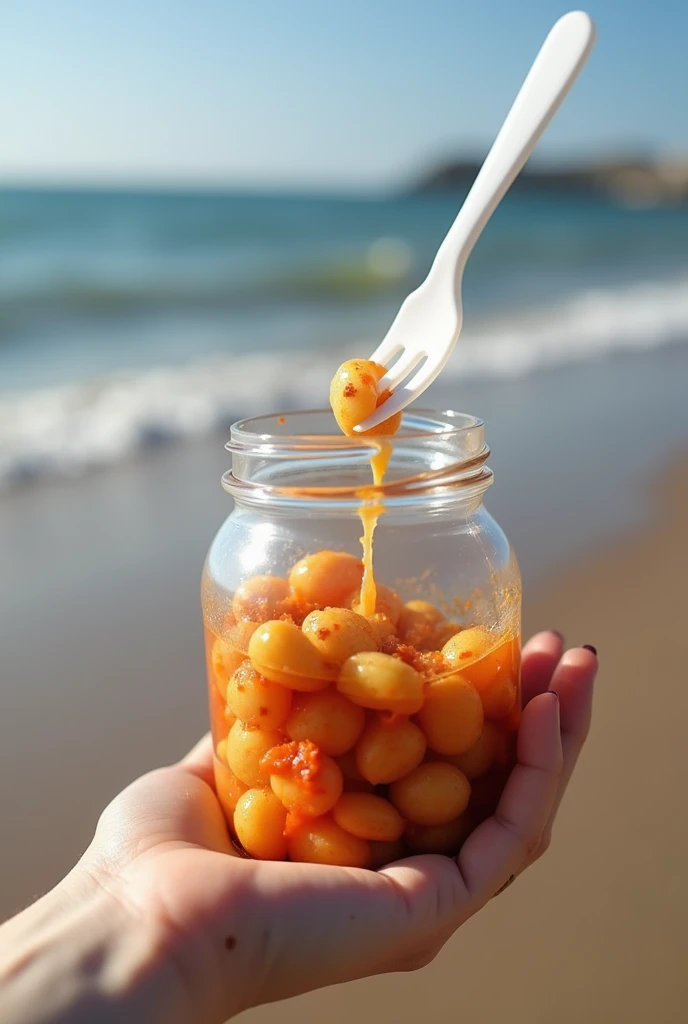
(589, 647)
(506, 885)
(554, 694)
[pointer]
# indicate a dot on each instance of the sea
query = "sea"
(131, 318)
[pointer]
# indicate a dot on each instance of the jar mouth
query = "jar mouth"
(315, 430)
(297, 456)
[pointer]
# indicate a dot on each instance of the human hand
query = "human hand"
(223, 933)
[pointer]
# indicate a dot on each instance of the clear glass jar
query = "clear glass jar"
(447, 622)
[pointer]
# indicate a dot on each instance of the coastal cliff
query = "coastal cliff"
(631, 183)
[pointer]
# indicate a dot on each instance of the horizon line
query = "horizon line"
(24, 178)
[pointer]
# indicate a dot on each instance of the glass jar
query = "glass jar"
(342, 738)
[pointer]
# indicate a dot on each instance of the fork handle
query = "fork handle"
(555, 69)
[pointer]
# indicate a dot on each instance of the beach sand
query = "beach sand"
(99, 685)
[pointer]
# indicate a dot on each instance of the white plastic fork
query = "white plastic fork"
(429, 321)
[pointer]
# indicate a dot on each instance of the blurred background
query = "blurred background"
(204, 209)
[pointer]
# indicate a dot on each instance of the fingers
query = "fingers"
(539, 659)
(573, 680)
(551, 737)
(499, 847)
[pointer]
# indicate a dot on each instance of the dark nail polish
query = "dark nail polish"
(506, 885)
(589, 647)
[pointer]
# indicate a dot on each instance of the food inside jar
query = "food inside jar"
(340, 741)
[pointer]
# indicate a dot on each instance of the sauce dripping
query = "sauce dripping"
(369, 515)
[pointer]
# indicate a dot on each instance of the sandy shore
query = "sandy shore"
(595, 933)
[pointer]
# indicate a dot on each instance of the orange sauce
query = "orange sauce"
(300, 761)
(369, 514)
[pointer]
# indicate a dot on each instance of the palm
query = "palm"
(310, 925)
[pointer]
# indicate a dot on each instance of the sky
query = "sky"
(315, 93)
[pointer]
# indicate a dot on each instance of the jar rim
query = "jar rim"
(251, 434)
(432, 454)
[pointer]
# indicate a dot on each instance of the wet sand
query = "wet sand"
(98, 687)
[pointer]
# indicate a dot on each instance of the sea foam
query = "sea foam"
(67, 430)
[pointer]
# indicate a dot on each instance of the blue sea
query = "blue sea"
(127, 317)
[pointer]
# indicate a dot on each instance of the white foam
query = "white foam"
(67, 430)
(593, 324)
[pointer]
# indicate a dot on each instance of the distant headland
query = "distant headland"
(629, 182)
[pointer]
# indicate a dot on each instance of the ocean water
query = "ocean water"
(127, 318)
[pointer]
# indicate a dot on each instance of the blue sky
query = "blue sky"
(315, 92)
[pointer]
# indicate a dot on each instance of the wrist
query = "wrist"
(81, 954)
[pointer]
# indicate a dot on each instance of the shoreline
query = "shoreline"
(570, 448)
